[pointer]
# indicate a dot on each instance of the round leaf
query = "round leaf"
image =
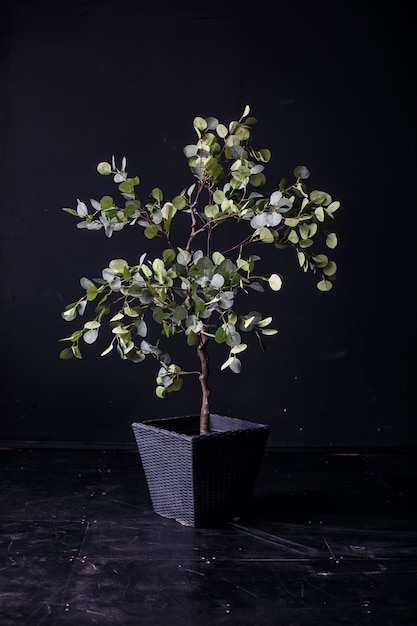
(275, 282)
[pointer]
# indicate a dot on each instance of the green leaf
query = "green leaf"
(220, 335)
(106, 203)
(263, 155)
(66, 354)
(151, 231)
(157, 194)
(92, 293)
(301, 172)
(169, 256)
(330, 269)
(180, 313)
(179, 202)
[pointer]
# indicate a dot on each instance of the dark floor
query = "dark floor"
(331, 539)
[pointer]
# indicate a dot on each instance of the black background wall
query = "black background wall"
(331, 87)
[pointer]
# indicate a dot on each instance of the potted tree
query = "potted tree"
(194, 288)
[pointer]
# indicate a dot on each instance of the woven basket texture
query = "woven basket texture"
(202, 480)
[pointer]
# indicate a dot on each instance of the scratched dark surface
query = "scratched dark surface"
(330, 539)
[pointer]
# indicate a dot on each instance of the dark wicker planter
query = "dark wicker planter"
(200, 481)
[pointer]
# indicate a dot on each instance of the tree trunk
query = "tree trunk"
(205, 390)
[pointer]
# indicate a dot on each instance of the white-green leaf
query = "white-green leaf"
(183, 257)
(217, 281)
(86, 283)
(118, 265)
(240, 347)
(107, 350)
(90, 336)
(190, 150)
(82, 209)
(235, 365)
(227, 363)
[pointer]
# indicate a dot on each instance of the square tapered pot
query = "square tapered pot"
(200, 480)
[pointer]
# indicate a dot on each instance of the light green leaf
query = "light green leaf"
(293, 237)
(319, 213)
(179, 202)
(291, 221)
(330, 269)
(264, 322)
(118, 265)
(218, 196)
(265, 235)
(240, 347)
(221, 130)
(324, 285)
(92, 325)
(331, 240)
(227, 363)
(275, 282)
(161, 391)
(320, 197)
(218, 258)
(104, 168)
(157, 194)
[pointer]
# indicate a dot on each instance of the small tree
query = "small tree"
(192, 287)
